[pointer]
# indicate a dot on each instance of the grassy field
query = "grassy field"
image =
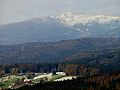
(8, 81)
(54, 77)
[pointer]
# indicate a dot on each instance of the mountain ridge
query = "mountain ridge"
(71, 19)
(52, 29)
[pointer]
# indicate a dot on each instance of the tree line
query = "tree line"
(69, 69)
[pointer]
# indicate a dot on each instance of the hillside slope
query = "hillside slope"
(38, 52)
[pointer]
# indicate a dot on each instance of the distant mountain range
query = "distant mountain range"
(61, 27)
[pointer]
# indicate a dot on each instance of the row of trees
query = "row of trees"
(69, 69)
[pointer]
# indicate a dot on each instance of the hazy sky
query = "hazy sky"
(15, 10)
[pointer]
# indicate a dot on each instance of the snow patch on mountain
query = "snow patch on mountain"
(71, 19)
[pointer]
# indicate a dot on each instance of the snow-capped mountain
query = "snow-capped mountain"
(72, 19)
(91, 26)
(60, 27)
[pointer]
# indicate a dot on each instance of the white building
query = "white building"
(60, 73)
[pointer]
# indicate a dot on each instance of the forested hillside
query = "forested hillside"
(94, 49)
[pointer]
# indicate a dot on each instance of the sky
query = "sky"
(17, 10)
